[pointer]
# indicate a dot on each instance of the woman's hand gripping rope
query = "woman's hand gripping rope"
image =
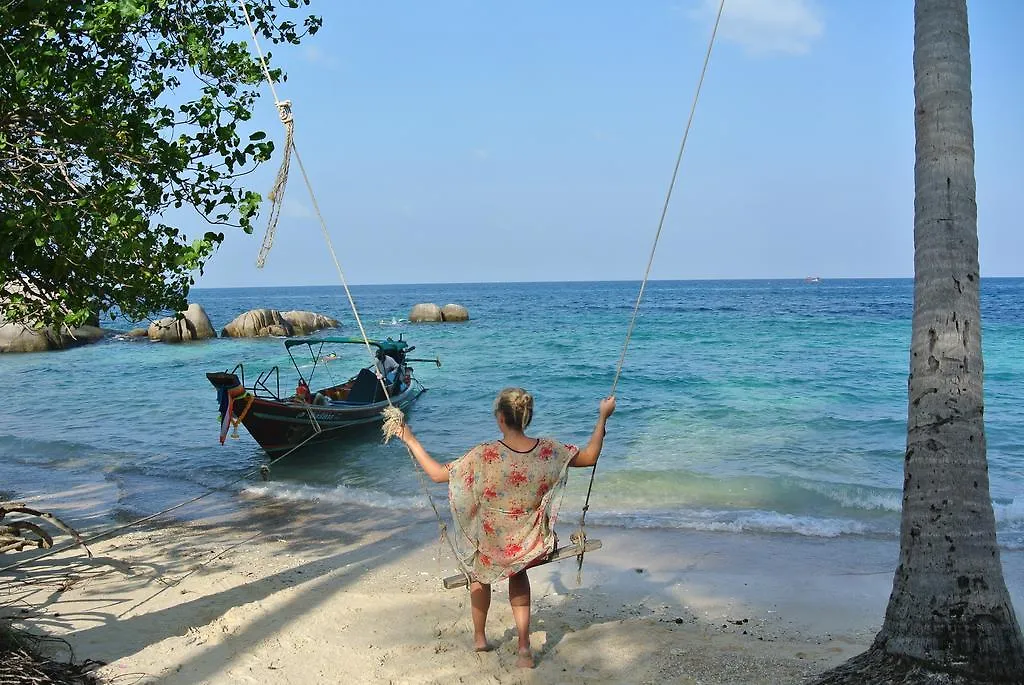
(394, 426)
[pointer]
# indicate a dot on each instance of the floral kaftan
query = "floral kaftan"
(504, 505)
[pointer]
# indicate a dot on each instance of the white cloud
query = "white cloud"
(767, 26)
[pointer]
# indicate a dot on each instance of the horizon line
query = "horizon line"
(821, 279)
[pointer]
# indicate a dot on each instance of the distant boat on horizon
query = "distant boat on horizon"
(812, 279)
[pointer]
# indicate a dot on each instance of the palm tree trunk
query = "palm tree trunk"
(949, 610)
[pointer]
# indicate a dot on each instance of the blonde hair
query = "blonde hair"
(515, 406)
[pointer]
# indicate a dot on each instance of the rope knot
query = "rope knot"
(394, 420)
(276, 194)
(284, 111)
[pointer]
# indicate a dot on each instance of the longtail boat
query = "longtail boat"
(280, 423)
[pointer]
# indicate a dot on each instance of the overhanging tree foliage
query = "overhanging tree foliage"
(118, 117)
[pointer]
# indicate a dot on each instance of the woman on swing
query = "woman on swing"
(502, 496)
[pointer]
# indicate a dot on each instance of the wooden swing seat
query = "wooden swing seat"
(452, 582)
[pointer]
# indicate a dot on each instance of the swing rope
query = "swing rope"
(580, 537)
(394, 419)
(276, 194)
(284, 113)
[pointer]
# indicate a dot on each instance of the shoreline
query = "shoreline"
(304, 592)
(91, 502)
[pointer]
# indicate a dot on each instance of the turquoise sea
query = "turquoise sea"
(772, 407)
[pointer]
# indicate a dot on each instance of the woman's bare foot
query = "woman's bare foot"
(482, 645)
(525, 658)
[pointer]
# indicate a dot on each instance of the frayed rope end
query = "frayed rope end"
(394, 419)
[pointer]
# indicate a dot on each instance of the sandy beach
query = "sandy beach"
(309, 593)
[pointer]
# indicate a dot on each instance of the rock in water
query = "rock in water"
(18, 337)
(194, 326)
(427, 312)
(14, 337)
(257, 323)
(454, 312)
(304, 323)
(198, 317)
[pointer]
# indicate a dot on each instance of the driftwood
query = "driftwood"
(16, 536)
(22, 661)
(19, 666)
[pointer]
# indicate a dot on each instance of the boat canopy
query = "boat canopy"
(386, 345)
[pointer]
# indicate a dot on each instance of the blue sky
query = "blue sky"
(466, 141)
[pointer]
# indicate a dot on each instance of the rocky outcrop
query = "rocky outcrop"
(304, 323)
(18, 337)
(257, 323)
(260, 323)
(194, 324)
(454, 312)
(426, 312)
(15, 337)
(137, 333)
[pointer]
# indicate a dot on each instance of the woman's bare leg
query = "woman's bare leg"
(480, 600)
(519, 598)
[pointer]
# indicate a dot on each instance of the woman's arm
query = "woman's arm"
(589, 454)
(435, 471)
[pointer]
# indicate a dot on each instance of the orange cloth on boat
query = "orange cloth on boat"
(505, 503)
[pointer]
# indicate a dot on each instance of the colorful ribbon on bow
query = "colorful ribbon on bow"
(227, 397)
